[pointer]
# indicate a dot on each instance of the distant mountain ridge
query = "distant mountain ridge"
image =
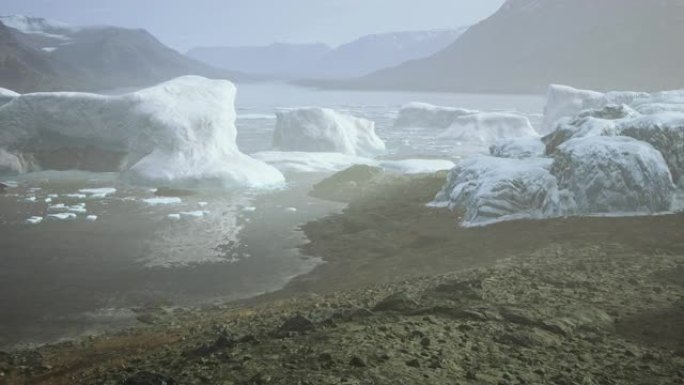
(528, 44)
(357, 58)
(96, 58)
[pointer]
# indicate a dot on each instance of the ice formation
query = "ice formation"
(417, 166)
(181, 133)
(158, 201)
(34, 220)
(487, 189)
(7, 96)
(612, 175)
(297, 161)
(518, 148)
(423, 115)
(313, 129)
(487, 127)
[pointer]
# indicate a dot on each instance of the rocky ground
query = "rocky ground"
(408, 297)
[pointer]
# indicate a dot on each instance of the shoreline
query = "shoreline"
(400, 246)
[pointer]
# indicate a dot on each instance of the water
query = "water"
(65, 278)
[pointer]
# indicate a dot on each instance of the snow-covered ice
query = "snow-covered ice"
(486, 128)
(486, 189)
(314, 129)
(181, 132)
(423, 115)
(613, 175)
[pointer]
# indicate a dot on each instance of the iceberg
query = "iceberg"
(484, 190)
(604, 174)
(423, 115)
(313, 129)
(178, 133)
(518, 148)
(158, 201)
(487, 127)
(34, 220)
(62, 216)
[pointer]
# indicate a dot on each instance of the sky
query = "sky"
(184, 24)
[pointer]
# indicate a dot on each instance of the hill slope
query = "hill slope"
(528, 44)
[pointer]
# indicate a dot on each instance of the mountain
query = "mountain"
(103, 57)
(374, 52)
(279, 59)
(24, 68)
(357, 58)
(528, 44)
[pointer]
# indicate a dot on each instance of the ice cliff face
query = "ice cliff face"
(181, 132)
(315, 129)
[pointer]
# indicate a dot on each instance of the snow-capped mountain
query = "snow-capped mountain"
(528, 44)
(101, 57)
(359, 57)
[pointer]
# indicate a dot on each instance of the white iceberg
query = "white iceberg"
(518, 148)
(486, 128)
(612, 175)
(423, 115)
(91, 218)
(417, 166)
(314, 129)
(98, 193)
(180, 133)
(193, 214)
(484, 189)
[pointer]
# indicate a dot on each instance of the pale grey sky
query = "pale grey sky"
(186, 23)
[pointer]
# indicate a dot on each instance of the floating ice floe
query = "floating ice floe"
(178, 133)
(62, 216)
(34, 220)
(291, 209)
(78, 209)
(174, 217)
(76, 196)
(157, 201)
(30, 199)
(297, 161)
(423, 115)
(193, 214)
(314, 129)
(249, 209)
(98, 193)
(57, 207)
(91, 218)
(202, 204)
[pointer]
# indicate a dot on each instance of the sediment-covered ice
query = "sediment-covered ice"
(181, 132)
(423, 115)
(612, 175)
(486, 128)
(486, 189)
(518, 148)
(314, 129)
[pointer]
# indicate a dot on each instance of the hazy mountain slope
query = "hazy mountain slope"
(96, 58)
(276, 59)
(374, 52)
(527, 44)
(357, 58)
(23, 68)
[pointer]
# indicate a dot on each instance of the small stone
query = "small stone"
(357, 362)
(296, 324)
(414, 363)
(425, 342)
(149, 378)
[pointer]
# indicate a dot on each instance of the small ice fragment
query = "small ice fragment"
(57, 207)
(162, 201)
(62, 216)
(34, 220)
(91, 218)
(193, 214)
(291, 209)
(10, 183)
(249, 209)
(35, 189)
(48, 200)
(76, 196)
(202, 204)
(78, 209)
(173, 217)
(53, 196)
(30, 199)
(98, 192)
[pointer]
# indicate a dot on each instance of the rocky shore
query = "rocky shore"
(406, 296)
